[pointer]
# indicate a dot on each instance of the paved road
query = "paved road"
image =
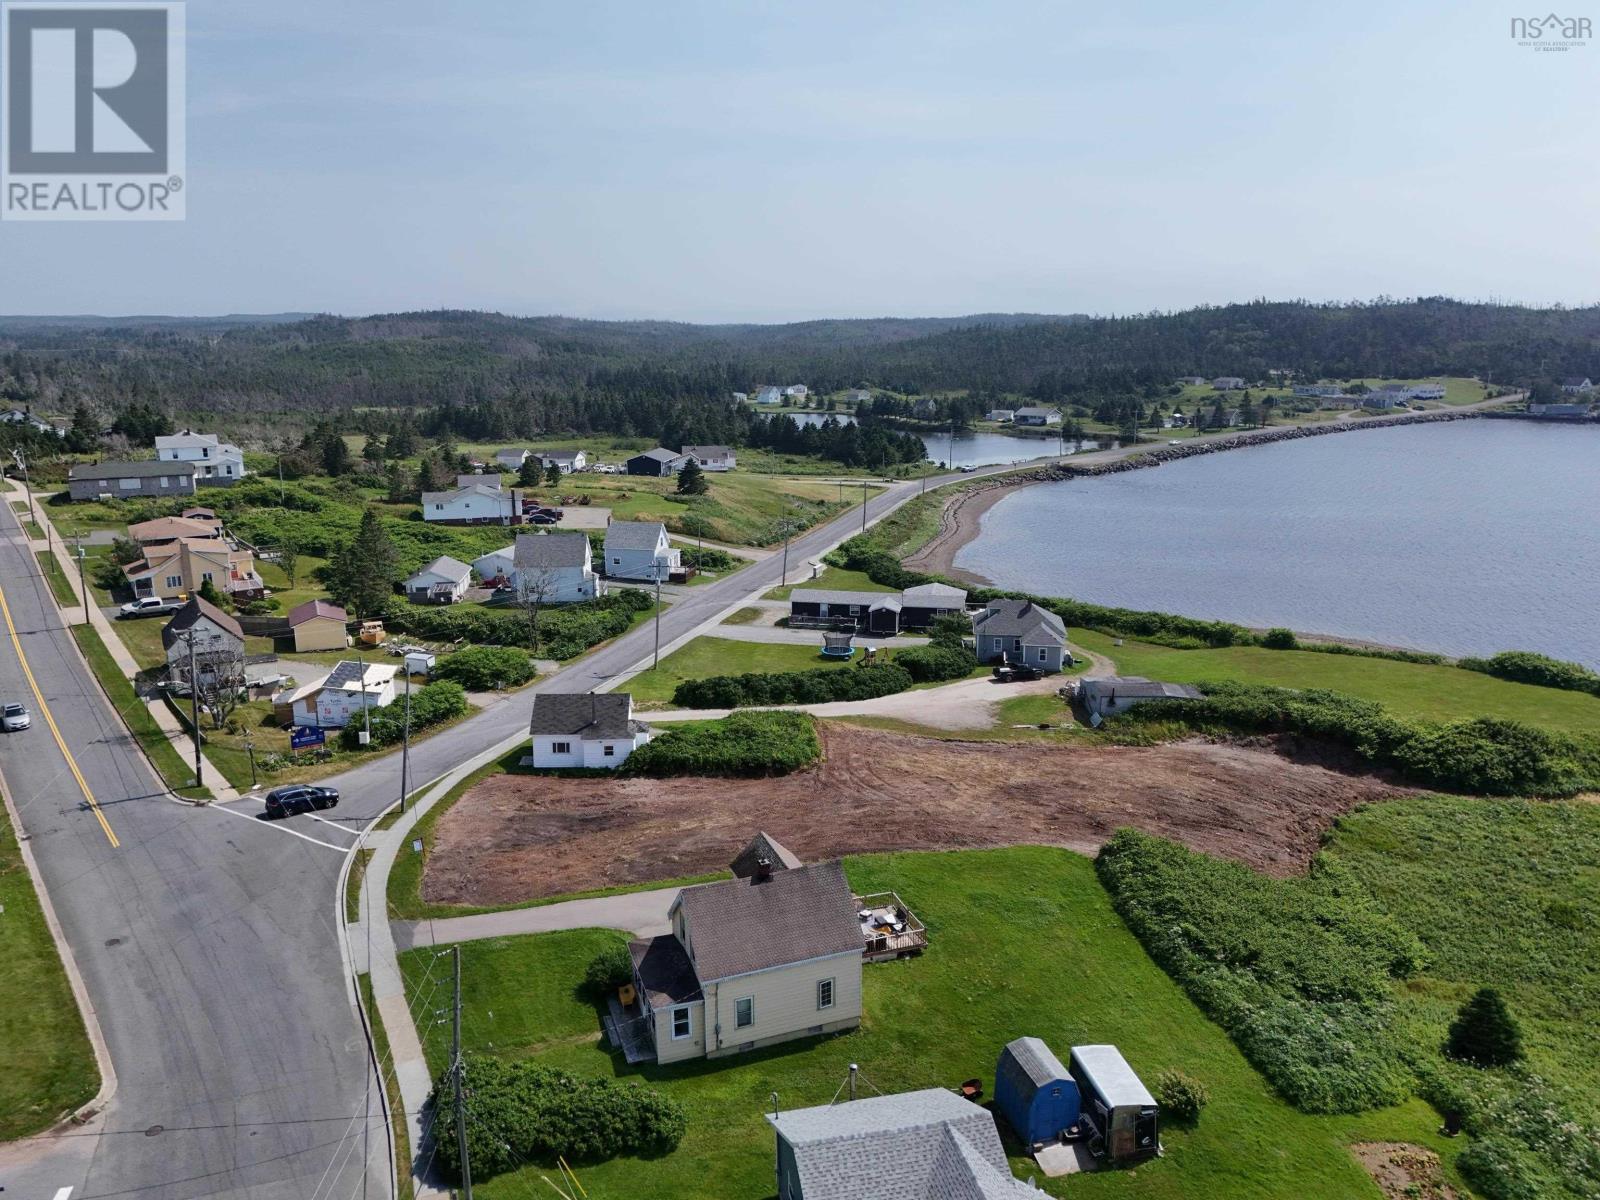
(207, 943)
(643, 913)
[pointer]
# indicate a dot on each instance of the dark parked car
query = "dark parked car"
(1009, 672)
(300, 797)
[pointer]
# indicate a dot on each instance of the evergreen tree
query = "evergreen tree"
(403, 441)
(83, 436)
(530, 473)
(335, 455)
(552, 476)
(210, 594)
(402, 487)
(363, 573)
(692, 480)
(374, 451)
(1484, 1032)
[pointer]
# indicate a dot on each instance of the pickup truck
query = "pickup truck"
(149, 606)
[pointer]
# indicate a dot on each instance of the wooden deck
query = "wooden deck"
(890, 929)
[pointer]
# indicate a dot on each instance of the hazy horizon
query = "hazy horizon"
(721, 163)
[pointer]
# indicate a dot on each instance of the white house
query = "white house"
(1318, 391)
(1001, 414)
(769, 394)
(1574, 384)
(796, 391)
(640, 550)
(858, 396)
(1227, 383)
(577, 730)
(496, 565)
(1034, 415)
(483, 502)
(343, 694)
(217, 644)
(443, 581)
(556, 568)
(212, 457)
(712, 458)
(20, 416)
(566, 461)
(741, 397)
(1428, 391)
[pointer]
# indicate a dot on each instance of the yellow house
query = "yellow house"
(318, 625)
(771, 955)
(178, 568)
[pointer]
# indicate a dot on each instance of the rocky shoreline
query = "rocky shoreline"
(961, 519)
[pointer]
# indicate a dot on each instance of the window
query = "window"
(174, 581)
(824, 993)
(560, 747)
(744, 1012)
(611, 751)
(1041, 653)
(438, 508)
(128, 485)
(616, 562)
(205, 576)
(166, 481)
(680, 1023)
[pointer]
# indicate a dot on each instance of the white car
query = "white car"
(14, 718)
(149, 606)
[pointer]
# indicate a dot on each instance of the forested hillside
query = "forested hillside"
(495, 376)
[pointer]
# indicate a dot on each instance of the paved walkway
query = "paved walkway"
(643, 913)
(163, 716)
(776, 635)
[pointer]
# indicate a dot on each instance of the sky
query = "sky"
(765, 162)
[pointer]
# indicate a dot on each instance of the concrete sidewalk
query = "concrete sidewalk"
(169, 724)
(643, 913)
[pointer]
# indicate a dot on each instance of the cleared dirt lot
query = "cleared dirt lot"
(517, 837)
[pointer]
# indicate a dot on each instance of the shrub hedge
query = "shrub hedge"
(793, 687)
(430, 705)
(707, 558)
(745, 744)
(519, 1112)
(564, 631)
(934, 663)
(481, 668)
(1298, 971)
(1524, 666)
(1486, 756)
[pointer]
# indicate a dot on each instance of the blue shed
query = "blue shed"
(1036, 1093)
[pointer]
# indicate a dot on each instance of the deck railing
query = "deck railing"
(884, 944)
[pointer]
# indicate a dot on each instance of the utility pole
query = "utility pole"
(656, 661)
(281, 494)
(456, 1072)
(194, 709)
(27, 485)
(405, 747)
(83, 588)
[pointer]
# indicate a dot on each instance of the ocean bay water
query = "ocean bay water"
(1465, 537)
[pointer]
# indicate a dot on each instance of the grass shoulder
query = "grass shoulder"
(47, 1065)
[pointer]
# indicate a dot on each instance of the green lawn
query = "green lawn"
(1413, 690)
(836, 578)
(1505, 893)
(707, 656)
(153, 740)
(1024, 941)
(47, 1065)
(60, 585)
(745, 616)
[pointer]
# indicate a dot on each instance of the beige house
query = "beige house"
(769, 956)
(181, 566)
(318, 625)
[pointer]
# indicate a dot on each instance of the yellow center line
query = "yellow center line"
(72, 763)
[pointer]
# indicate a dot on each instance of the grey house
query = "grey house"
(881, 613)
(1019, 631)
(927, 1145)
(659, 462)
(123, 480)
(640, 550)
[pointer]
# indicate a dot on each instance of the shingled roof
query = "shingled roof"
(763, 846)
(1018, 618)
(745, 925)
(583, 714)
(183, 620)
(634, 535)
(924, 1145)
(550, 550)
